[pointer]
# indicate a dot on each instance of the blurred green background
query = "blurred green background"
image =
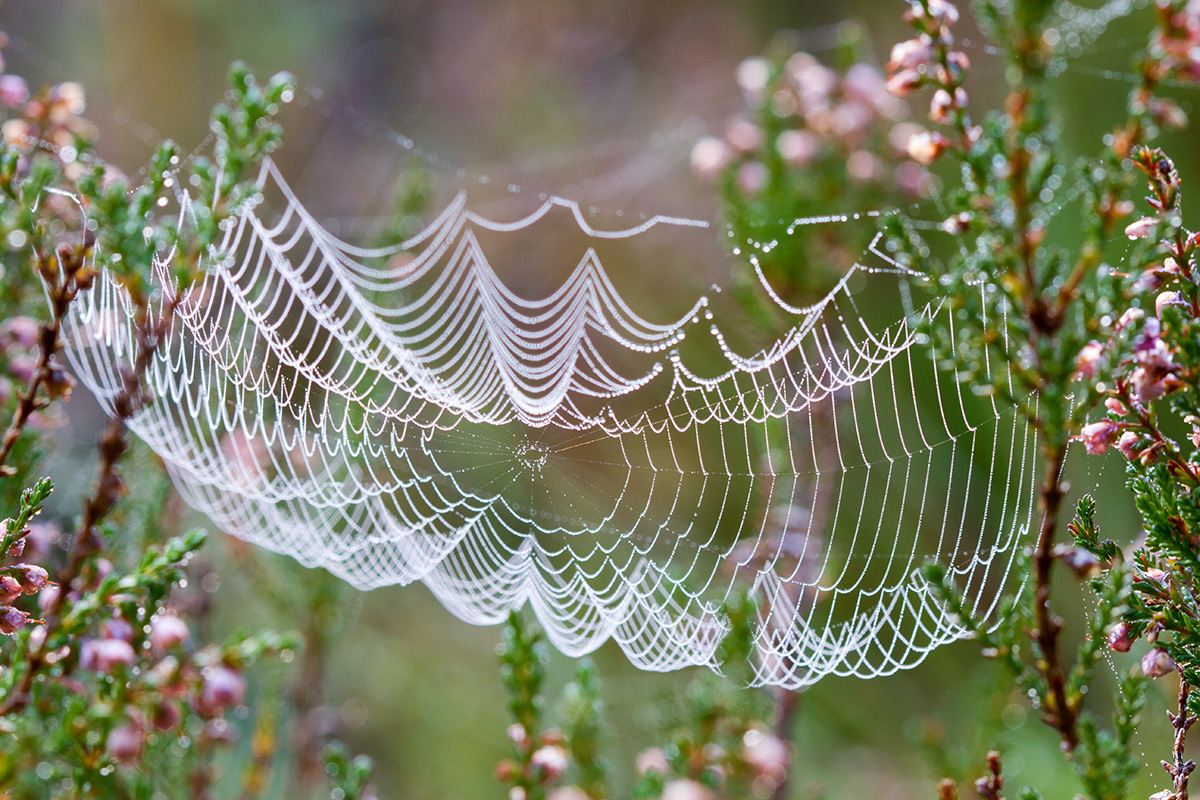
(598, 101)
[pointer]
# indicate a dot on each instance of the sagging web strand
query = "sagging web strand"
(399, 415)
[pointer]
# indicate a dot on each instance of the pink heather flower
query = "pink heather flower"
(1129, 445)
(752, 177)
(865, 83)
(1097, 436)
(1165, 299)
(167, 631)
(651, 760)
(1167, 113)
(124, 743)
(32, 578)
(116, 628)
(1154, 375)
(1081, 561)
(12, 620)
(744, 136)
(957, 224)
(753, 74)
(21, 332)
(686, 790)
(767, 755)
(1120, 637)
(849, 120)
(10, 589)
(1142, 228)
(13, 90)
(165, 715)
(568, 793)
(710, 155)
(914, 179)
(903, 82)
(864, 167)
(1129, 316)
(910, 54)
(944, 12)
(797, 148)
(518, 735)
(1157, 662)
(1114, 406)
(926, 147)
(105, 655)
(958, 61)
(552, 759)
(1086, 361)
(940, 107)
(223, 687)
(813, 80)
(22, 368)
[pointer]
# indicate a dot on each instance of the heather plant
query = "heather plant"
(106, 688)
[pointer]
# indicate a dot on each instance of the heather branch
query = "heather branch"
(1182, 767)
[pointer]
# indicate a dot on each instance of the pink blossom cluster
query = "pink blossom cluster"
(50, 120)
(759, 756)
(543, 761)
(816, 115)
(930, 60)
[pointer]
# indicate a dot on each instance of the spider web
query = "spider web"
(400, 414)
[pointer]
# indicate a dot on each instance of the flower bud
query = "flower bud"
(223, 687)
(1142, 228)
(1120, 637)
(552, 759)
(506, 770)
(1157, 662)
(165, 715)
(124, 743)
(652, 760)
(766, 754)
(752, 177)
(10, 589)
(568, 793)
(167, 631)
(1097, 436)
(910, 54)
(13, 90)
(710, 155)
(12, 620)
(106, 655)
(1115, 406)
(31, 577)
(686, 790)
(904, 82)
(927, 147)
(518, 735)
(117, 628)
(1129, 444)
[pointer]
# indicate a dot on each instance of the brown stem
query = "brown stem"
(113, 444)
(1058, 711)
(62, 293)
(1182, 768)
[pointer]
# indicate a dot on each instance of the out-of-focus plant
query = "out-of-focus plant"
(105, 690)
(814, 140)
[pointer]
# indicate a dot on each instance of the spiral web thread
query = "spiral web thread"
(413, 419)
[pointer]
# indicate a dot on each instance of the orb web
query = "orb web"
(401, 414)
